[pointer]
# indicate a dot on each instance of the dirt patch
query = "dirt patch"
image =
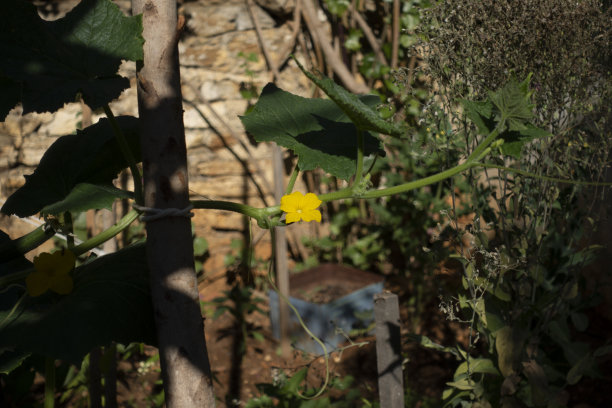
(328, 282)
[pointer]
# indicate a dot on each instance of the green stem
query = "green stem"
(49, 382)
(292, 180)
(252, 212)
(359, 170)
(79, 249)
(553, 179)
(127, 155)
(26, 243)
(488, 140)
(68, 229)
(106, 234)
(402, 188)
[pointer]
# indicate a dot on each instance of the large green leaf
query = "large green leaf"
(316, 130)
(91, 156)
(512, 103)
(54, 61)
(86, 196)
(514, 140)
(362, 115)
(481, 114)
(10, 360)
(110, 302)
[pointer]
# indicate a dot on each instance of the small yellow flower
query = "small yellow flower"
(301, 207)
(52, 272)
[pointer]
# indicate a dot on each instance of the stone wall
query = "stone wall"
(223, 163)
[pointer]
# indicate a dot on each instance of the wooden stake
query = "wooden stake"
(388, 350)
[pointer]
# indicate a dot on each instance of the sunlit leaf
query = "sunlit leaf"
(362, 115)
(316, 130)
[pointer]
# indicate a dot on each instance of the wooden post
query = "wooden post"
(388, 350)
(280, 246)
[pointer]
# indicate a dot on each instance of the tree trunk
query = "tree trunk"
(184, 360)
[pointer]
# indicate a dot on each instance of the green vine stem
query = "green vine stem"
(477, 153)
(26, 243)
(127, 155)
(262, 215)
(359, 170)
(546, 178)
(294, 176)
(107, 234)
(49, 382)
(308, 331)
(79, 249)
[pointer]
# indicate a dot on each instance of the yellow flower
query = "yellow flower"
(301, 207)
(52, 272)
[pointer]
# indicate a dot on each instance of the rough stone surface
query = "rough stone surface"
(214, 52)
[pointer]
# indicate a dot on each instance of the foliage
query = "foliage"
(287, 392)
(49, 62)
(305, 126)
(526, 278)
(471, 47)
(523, 255)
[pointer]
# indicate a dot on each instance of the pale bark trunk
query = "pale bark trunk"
(184, 360)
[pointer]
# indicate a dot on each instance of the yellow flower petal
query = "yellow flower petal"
(292, 217)
(290, 203)
(311, 202)
(311, 215)
(61, 284)
(37, 283)
(66, 262)
(299, 207)
(52, 272)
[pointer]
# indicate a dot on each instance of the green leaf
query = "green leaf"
(13, 250)
(580, 321)
(200, 246)
(293, 385)
(54, 61)
(583, 366)
(426, 342)
(91, 156)
(315, 129)
(11, 359)
(512, 102)
(85, 196)
(508, 344)
(514, 140)
(477, 365)
(481, 113)
(538, 381)
(363, 116)
(462, 384)
(353, 41)
(110, 302)
(602, 351)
